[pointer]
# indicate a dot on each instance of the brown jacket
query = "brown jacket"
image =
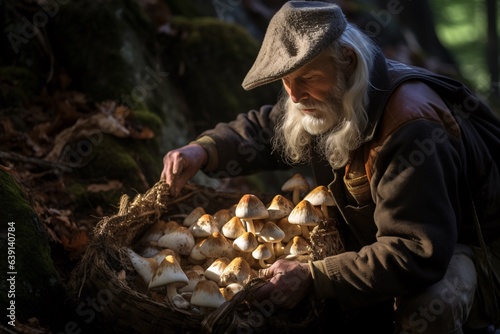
(403, 195)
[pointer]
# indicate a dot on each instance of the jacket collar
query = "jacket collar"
(378, 93)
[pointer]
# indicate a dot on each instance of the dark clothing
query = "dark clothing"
(403, 195)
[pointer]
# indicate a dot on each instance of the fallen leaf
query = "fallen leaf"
(76, 244)
(111, 185)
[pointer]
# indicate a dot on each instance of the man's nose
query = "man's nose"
(297, 92)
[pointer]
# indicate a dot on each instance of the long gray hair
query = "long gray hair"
(295, 143)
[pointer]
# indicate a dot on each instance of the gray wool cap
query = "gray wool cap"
(296, 34)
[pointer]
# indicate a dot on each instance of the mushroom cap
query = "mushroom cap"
(222, 216)
(160, 256)
(180, 240)
(279, 207)
(194, 277)
(297, 181)
(196, 256)
(297, 246)
(197, 268)
(246, 242)
(291, 230)
(193, 216)
(145, 267)
(153, 232)
(262, 252)
(270, 232)
(169, 272)
(233, 228)
(320, 196)
(230, 290)
(216, 245)
(204, 226)
(237, 271)
(251, 207)
(215, 270)
(305, 213)
(207, 294)
(170, 226)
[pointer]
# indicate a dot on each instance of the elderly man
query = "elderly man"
(410, 157)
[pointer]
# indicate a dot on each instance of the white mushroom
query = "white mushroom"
(160, 256)
(297, 246)
(207, 296)
(194, 277)
(271, 234)
(262, 253)
(204, 226)
(180, 240)
(145, 267)
(170, 226)
(153, 232)
(233, 228)
(216, 245)
(297, 184)
(280, 207)
(291, 230)
(322, 197)
(215, 270)
(196, 256)
(250, 207)
(222, 216)
(193, 216)
(230, 290)
(170, 274)
(305, 214)
(246, 242)
(237, 271)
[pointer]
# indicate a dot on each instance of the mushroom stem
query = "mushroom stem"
(263, 264)
(270, 246)
(249, 225)
(296, 196)
(305, 231)
(324, 209)
(175, 298)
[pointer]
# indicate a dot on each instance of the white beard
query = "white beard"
(333, 131)
(322, 121)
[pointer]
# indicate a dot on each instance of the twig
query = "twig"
(40, 162)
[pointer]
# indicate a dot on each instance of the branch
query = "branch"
(36, 161)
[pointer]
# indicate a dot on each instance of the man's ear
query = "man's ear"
(351, 58)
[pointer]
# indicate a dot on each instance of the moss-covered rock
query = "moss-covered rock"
(103, 45)
(32, 287)
(210, 58)
(112, 159)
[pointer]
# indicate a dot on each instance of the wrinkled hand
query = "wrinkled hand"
(290, 282)
(181, 164)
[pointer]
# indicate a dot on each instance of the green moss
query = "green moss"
(104, 45)
(211, 60)
(145, 118)
(37, 289)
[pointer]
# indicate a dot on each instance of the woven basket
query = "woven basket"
(105, 274)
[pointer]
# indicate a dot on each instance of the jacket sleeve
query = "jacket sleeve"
(415, 191)
(242, 146)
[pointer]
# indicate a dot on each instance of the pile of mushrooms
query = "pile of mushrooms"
(204, 260)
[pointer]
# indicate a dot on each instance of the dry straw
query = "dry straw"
(105, 274)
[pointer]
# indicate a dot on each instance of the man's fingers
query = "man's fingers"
(264, 273)
(177, 166)
(263, 292)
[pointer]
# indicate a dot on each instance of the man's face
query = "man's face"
(315, 91)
